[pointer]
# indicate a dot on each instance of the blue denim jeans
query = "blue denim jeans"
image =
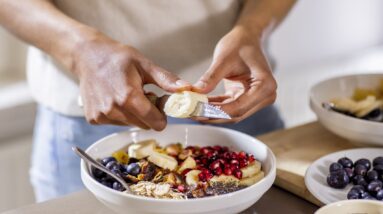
(55, 169)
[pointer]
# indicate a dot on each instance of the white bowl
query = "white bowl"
(352, 206)
(196, 135)
(354, 129)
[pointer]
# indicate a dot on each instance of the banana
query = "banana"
(162, 160)
(251, 169)
(189, 163)
(142, 149)
(252, 180)
(182, 105)
(191, 177)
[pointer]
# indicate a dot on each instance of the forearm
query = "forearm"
(261, 16)
(41, 24)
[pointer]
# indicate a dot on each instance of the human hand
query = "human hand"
(112, 76)
(250, 86)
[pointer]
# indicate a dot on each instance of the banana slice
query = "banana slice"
(162, 160)
(191, 177)
(252, 180)
(251, 169)
(189, 163)
(182, 105)
(142, 149)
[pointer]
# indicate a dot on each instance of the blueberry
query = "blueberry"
(335, 167)
(338, 179)
(374, 186)
(352, 194)
(345, 162)
(375, 115)
(372, 175)
(133, 169)
(379, 195)
(378, 161)
(379, 168)
(359, 180)
(364, 195)
(116, 172)
(97, 173)
(107, 160)
(358, 188)
(106, 182)
(349, 172)
(111, 165)
(117, 186)
(133, 160)
(360, 170)
(369, 197)
(365, 162)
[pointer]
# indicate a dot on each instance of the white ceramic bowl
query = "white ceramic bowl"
(354, 129)
(352, 206)
(196, 135)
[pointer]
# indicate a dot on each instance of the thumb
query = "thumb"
(210, 79)
(167, 80)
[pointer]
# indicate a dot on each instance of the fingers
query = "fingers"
(166, 80)
(138, 105)
(210, 79)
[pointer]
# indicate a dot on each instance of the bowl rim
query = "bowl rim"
(346, 202)
(314, 102)
(270, 175)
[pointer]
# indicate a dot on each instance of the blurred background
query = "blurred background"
(318, 40)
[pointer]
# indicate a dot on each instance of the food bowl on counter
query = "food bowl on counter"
(344, 124)
(188, 135)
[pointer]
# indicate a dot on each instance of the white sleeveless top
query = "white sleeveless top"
(179, 36)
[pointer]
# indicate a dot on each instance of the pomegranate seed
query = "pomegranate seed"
(243, 163)
(204, 161)
(226, 155)
(214, 165)
(181, 188)
(222, 161)
(233, 155)
(218, 171)
(183, 173)
(227, 171)
(197, 161)
(208, 175)
(217, 148)
(204, 150)
(234, 162)
(234, 167)
(242, 155)
(211, 154)
(202, 177)
(226, 165)
(238, 173)
(251, 158)
(205, 171)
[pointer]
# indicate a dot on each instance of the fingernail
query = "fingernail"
(182, 83)
(200, 84)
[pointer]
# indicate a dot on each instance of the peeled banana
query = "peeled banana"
(142, 149)
(182, 105)
(163, 160)
(252, 180)
(251, 169)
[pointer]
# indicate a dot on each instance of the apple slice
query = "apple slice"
(251, 169)
(189, 163)
(192, 177)
(142, 149)
(162, 160)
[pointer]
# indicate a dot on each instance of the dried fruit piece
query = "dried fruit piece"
(189, 163)
(121, 156)
(192, 177)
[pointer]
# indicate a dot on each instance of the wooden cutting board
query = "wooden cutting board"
(296, 148)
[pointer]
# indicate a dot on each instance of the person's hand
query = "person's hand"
(111, 78)
(239, 61)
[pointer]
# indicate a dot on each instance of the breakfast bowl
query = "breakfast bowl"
(352, 128)
(352, 206)
(189, 135)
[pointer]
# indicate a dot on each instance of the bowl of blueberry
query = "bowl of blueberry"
(183, 169)
(351, 106)
(349, 174)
